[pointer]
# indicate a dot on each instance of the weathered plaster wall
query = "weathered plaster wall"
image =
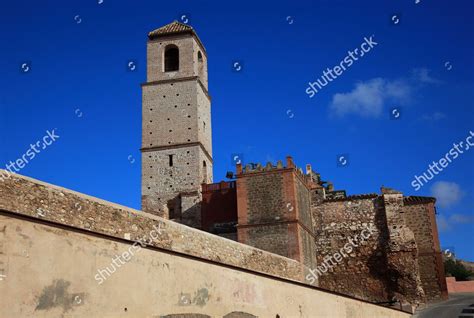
(42, 201)
(50, 273)
(55, 242)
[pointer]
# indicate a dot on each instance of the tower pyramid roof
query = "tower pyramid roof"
(174, 27)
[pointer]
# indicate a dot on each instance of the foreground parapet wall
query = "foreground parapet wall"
(50, 273)
(32, 198)
(58, 258)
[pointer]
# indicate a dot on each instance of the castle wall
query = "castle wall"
(28, 197)
(51, 274)
(403, 273)
(262, 218)
(274, 212)
(420, 218)
(305, 225)
(378, 268)
(58, 247)
(362, 273)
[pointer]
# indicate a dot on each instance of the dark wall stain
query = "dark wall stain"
(57, 295)
(201, 297)
(239, 314)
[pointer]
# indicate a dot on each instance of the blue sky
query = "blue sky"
(78, 82)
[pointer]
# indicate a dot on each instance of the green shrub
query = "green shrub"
(456, 269)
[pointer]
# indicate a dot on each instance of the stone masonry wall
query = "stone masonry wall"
(274, 238)
(265, 200)
(32, 198)
(361, 274)
(306, 235)
(176, 129)
(274, 211)
(381, 268)
(162, 183)
(156, 53)
(262, 219)
(420, 218)
(403, 271)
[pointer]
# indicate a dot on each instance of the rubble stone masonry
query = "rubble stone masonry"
(401, 260)
(53, 243)
(419, 215)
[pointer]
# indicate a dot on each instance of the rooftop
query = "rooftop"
(174, 27)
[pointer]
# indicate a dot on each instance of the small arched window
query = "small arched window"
(204, 171)
(200, 65)
(171, 58)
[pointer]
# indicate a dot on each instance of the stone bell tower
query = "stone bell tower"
(176, 125)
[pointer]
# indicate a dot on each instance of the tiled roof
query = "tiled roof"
(416, 200)
(354, 197)
(174, 27)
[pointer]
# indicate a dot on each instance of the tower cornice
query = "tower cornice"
(181, 79)
(182, 145)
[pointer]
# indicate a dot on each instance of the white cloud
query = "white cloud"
(462, 218)
(368, 99)
(446, 193)
(443, 224)
(434, 117)
(446, 224)
(422, 75)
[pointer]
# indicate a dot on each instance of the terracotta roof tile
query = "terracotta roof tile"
(174, 27)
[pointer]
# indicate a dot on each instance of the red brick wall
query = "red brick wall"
(459, 287)
(265, 211)
(274, 212)
(219, 207)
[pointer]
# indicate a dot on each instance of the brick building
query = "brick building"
(276, 207)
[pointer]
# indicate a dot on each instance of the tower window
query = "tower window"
(204, 172)
(204, 125)
(171, 58)
(170, 160)
(200, 65)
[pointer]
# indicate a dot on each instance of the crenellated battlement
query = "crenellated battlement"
(309, 178)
